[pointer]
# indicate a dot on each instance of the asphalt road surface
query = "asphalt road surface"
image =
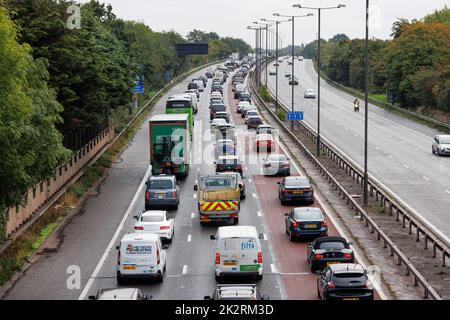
(399, 149)
(89, 241)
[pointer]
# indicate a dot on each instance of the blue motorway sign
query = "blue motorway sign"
(138, 88)
(294, 115)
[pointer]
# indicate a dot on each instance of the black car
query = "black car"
(328, 250)
(253, 122)
(346, 281)
(295, 188)
(214, 108)
(216, 87)
(204, 80)
(229, 163)
(209, 74)
(236, 292)
(192, 85)
(245, 96)
(120, 294)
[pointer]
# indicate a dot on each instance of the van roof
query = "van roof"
(140, 237)
(237, 231)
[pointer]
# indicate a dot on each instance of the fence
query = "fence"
(354, 171)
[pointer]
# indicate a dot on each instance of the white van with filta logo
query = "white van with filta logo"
(140, 255)
(238, 252)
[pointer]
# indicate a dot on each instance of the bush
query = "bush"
(265, 95)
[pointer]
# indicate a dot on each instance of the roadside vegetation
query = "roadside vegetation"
(55, 81)
(411, 70)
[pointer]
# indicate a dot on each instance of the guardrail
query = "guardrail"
(374, 228)
(64, 186)
(382, 104)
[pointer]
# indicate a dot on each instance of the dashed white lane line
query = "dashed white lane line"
(425, 178)
(406, 166)
(189, 238)
(249, 180)
(390, 157)
(184, 269)
(254, 195)
(377, 148)
(193, 215)
(265, 237)
(273, 268)
(259, 213)
(194, 196)
(448, 191)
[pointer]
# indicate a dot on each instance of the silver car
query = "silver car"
(441, 145)
(309, 94)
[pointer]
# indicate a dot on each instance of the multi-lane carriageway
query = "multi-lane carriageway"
(399, 149)
(89, 240)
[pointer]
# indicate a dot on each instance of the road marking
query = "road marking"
(189, 238)
(192, 215)
(426, 178)
(249, 180)
(184, 269)
(273, 268)
(390, 157)
(259, 213)
(406, 166)
(377, 148)
(448, 191)
(265, 237)
(111, 244)
(434, 158)
(254, 195)
(194, 196)
(295, 273)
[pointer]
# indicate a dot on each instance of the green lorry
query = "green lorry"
(170, 143)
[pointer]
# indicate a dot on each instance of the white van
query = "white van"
(238, 252)
(141, 255)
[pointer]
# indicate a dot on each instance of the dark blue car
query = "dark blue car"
(295, 189)
(306, 222)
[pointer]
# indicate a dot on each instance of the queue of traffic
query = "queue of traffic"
(238, 248)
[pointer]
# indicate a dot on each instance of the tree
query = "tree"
(32, 146)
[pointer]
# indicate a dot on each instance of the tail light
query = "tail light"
(158, 257)
(174, 194)
(318, 256)
(238, 167)
(147, 195)
(217, 258)
(260, 257)
(164, 227)
(138, 228)
(294, 224)
(331, 285)
(347, 255)
(324, 224)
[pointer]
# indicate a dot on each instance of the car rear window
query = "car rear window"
(349, 275)
(337, 245)
(160, 184)
(277, 158)
(152, 218)
(217, 182)
(305, 215)
(301, 183)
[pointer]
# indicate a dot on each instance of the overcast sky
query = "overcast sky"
(231, 17)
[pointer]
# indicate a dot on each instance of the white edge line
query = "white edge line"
(184, 269)
(97, 269)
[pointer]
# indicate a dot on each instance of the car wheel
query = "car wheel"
(235, 220)
(318, 293)
(218, 278)
(120, 279)
(283, 202)
(291, 236)
(257, 149)
(243, 196)
(161, 278)
(259, 277)
(286, 228)
(313, 267)
(432, 150)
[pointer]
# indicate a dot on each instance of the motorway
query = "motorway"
(399, 149)
(89, 240)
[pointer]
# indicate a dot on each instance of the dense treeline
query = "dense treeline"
(55, 80)
(413, 68)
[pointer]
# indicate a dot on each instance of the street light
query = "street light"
(319, 9)
(257, 50)
(292, 58)
(366, 104)
(267, 36)
(277, 22)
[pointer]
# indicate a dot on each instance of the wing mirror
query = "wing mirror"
(310, 244)
(265, 297)
(212, 237)
(261, 236)
(278, 182)
(165, 246)
(136, 217)
(195, 187)
(207, 298)
(146, 297)
(286, 214)
(350, 243)
(92, 298)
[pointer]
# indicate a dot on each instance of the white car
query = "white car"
(441, 145)
(272, 71)
(241, 104)
(155, 221)
(247, 108)
(216, 122)
(216, 95)
(250, 113)
(309, 94)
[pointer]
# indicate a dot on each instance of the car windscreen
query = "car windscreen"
(444, 140)
(277, 158)
(336, 245)
(305, 215)
(152, 218)
(218, 107)
(160, 184)
(217, 182)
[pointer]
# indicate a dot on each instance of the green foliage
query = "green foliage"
(264, 93)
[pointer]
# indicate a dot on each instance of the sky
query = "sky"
(231, 17)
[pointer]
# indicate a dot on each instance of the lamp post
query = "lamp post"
(293, 40)
(366, 112)
(277, 22)
(319, 67)
(256, 44)
(267, 39)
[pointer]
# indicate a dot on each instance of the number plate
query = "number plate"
(332, 262)
(310, 226)
(350, 299)
(229, 263)
(298, 192)
(160, 195)
(128, 267)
